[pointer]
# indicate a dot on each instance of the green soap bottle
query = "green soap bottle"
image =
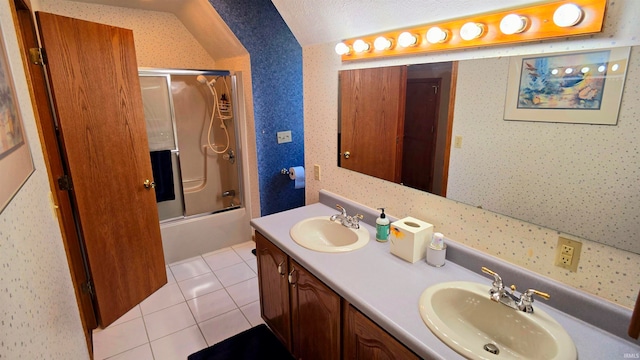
(382, 227)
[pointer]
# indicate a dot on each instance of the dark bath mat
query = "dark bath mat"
(256, 343)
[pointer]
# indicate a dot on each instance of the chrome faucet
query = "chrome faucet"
(499, 293)
(347, 220)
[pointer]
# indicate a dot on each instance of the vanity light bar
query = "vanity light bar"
(547, 20)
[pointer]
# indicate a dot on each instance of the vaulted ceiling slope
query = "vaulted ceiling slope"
(315, 21)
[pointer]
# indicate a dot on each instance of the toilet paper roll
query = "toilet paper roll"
(296, 174)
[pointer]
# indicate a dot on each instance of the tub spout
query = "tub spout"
(229, 193)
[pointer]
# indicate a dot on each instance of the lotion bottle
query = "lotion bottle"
(382, 227)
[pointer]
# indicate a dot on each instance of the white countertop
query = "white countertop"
(387, 288)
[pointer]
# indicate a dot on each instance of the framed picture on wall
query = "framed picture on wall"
(16, 164)
(577, 87)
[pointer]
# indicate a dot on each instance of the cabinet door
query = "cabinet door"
(363, 339)
(274, 288)
(315, 311)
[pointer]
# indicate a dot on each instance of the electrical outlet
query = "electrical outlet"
(566, 250)
(316, 171)
(284, 137)
(457, 142)
(568, 254)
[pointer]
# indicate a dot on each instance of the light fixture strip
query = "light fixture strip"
(540, 26)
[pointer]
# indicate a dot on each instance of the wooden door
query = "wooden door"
(420, 129)
(315, 316)
(364, 339)
(274, 288)
(371, 118)
(96, 97)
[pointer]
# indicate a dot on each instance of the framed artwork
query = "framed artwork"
(16, 164)
(577, 87)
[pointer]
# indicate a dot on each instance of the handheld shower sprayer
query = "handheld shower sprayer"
(203, 80)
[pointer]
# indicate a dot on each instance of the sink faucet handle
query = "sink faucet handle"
(359, 216)
(524, 304)
(530, 292)
(497, 280)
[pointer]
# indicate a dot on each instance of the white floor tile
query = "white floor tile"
(252, 313)
(130, 315)
(178, 345)
(244, 250)
(170, 278)
(222, 258)
(117, 339)
(199, 285)
(234, 274)
(211, 305)
(140, 353)
(224, 326)
(166, 296)
(164, 322)
(253, 264)
(189, 268)
(244, 292)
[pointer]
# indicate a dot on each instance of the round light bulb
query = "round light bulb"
(407, 39)
(436, 35)
(615, 67)
(382, 43)
(602, 68)
(567, 15)
(513, 24)
(361, 46)
(342, 49)
(471, 30)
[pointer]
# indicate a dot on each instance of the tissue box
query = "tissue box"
(409, 238)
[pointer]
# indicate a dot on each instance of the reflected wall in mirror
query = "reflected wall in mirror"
(394, 123)
(581, 180)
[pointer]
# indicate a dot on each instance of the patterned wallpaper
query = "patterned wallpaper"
(161, 40)
(276, 74)
(578, 178)
(605, 271)
(38, 313)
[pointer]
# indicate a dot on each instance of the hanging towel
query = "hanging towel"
(163, 175)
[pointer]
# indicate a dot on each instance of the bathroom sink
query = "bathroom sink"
(321, 234)
(462, 316)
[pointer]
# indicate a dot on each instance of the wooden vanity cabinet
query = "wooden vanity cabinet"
(301, 310)
(273, 268)
(311, 319)
(364, 339)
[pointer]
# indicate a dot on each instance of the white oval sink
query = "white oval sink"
(321, 234)
(463, 317)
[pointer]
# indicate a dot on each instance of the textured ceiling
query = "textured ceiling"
(317, 21)
(322, 21)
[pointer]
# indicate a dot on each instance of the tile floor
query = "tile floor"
(207, 299)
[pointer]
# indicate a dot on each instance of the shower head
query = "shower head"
(204, 80)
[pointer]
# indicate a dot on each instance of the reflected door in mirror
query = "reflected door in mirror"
(371, 116)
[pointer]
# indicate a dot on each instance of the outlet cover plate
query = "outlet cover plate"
(561, 259)
(284, 137)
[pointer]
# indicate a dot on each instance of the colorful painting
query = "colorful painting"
(16, 164)
(10, 127)
(574, 81)
(578, 87)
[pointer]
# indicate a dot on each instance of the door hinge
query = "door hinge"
(38, 56)
(87, 288)
(64, 183)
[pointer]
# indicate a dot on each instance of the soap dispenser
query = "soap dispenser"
(382, 227)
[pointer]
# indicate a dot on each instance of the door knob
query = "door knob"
(347, 154)
(148, 184)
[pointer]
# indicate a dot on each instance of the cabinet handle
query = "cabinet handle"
(280, 268)
(291, 281)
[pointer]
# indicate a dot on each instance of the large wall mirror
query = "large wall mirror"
(440, 128)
